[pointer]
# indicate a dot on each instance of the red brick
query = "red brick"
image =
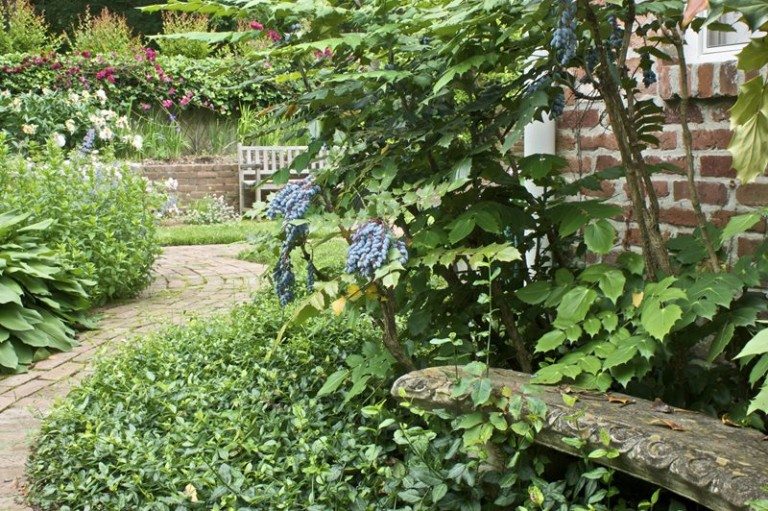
(716, 166)
(672, 114)
(748, 246)
(678, 161)
(677, 216)
(565, 141)
(753, 194)
(605, 161)
(669, 77)
(576, 165)
(729, 79)
(706, 73)
(604, 141)
(667, 139)
(721, 110)
(579, 118)
(661, 188)
(607, 189)
(709, 193)
(711, 139)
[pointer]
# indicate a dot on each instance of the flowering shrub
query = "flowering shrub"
(68, 119)
(179, 23)
(26, 31)
(212, 209)
(105, 34)
(142, 81)
(104, 212)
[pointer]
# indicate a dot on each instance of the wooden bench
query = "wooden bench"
(256, 164)
(705, 460)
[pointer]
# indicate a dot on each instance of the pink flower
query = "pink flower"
(167, 103)
(171, 91)
(255, 25)
(274, 35)
(150, 53)
(108, 73)
(145, 106)
(185, 101)
(86, 54)
(324, 54)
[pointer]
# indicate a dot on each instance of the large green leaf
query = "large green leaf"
(760, 402)
(575, 305)
(600, 236)
(658, 321)
(10, 291)
(333, 382)
(8, 356)
(749, 145)
(550, 341)
(12, 319)
(535, 292)
(756, 346)
(612, 284)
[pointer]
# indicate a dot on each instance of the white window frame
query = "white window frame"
(697, 51)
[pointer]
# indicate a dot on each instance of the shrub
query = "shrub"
(179, 23)
(211, 209)
(68, 119)
(210, 414)
(104, 213)
(24, 30)
(40, 296)
(105, 34)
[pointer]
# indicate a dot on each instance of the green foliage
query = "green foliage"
(104, 213)
(40, 295)
(105, 34)
(63, 16)
(749, 116)
(211, 209)
(180, 23)
(24, 30)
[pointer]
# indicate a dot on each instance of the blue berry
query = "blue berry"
(558, 103)
(564, 39)
(369, 249)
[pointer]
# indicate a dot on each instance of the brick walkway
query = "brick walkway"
(196, 280)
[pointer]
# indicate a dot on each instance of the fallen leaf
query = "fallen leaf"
(674, 426)
(726, 419)
(190, 492)
(623, 401)
(661, 407)
(693, 8)
(637, 298)
(338, 305)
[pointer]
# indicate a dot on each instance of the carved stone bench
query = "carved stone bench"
(716, 465)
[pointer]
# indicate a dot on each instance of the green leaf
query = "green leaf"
(8, 356)
(749, 145)
(740, 224)
(12, 319)
(750, 101)
(550, 341)
(612, 283)
(721, 341)
(754, 55)
(481, 392)
(575, 304)
(592, 326)
(622, 355)
(462, 228)
(534, 293)
(756, 346)
(333, 382)
(600, 236)
(659, 321)
(760, 402)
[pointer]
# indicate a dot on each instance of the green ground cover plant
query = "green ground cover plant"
(104, 212)
(41, 296)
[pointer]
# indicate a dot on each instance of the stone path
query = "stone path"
(196, 280)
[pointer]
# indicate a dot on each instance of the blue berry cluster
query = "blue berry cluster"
(649, 75)
(592, 59)
(564, 39)
(292, 203)
(617, 35)
(558, 103)
(370, 249)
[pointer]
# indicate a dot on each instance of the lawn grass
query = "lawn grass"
(230, 232)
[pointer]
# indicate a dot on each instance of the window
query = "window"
(716, 46)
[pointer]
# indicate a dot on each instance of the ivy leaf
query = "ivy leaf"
(756, 346)
(550, 341)
(720, 342)
(612, 283)
(659, 321)
(575, 305)
(600, 236)
(760, 402)
(622, 355)
(534, 293)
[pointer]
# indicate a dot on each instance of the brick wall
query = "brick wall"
(196, 180)
(585, 139)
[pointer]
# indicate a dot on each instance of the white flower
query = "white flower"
(46, 91)
(60, 139)
(16, 104)
(70, 125)
(29, 129)
(171, 184)
(5, 94)
(137, 142)
(106, 133)
(108, 114)
(74, 97)
(122, 122)
(101, 95)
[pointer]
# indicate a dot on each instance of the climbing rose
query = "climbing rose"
(167, 103)
(274, 35)
(255, 25)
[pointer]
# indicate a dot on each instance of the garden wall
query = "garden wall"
(585, 139)
(196, 180)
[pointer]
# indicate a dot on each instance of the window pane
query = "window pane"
(740, 36)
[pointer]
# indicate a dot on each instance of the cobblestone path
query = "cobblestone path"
(192, 280)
